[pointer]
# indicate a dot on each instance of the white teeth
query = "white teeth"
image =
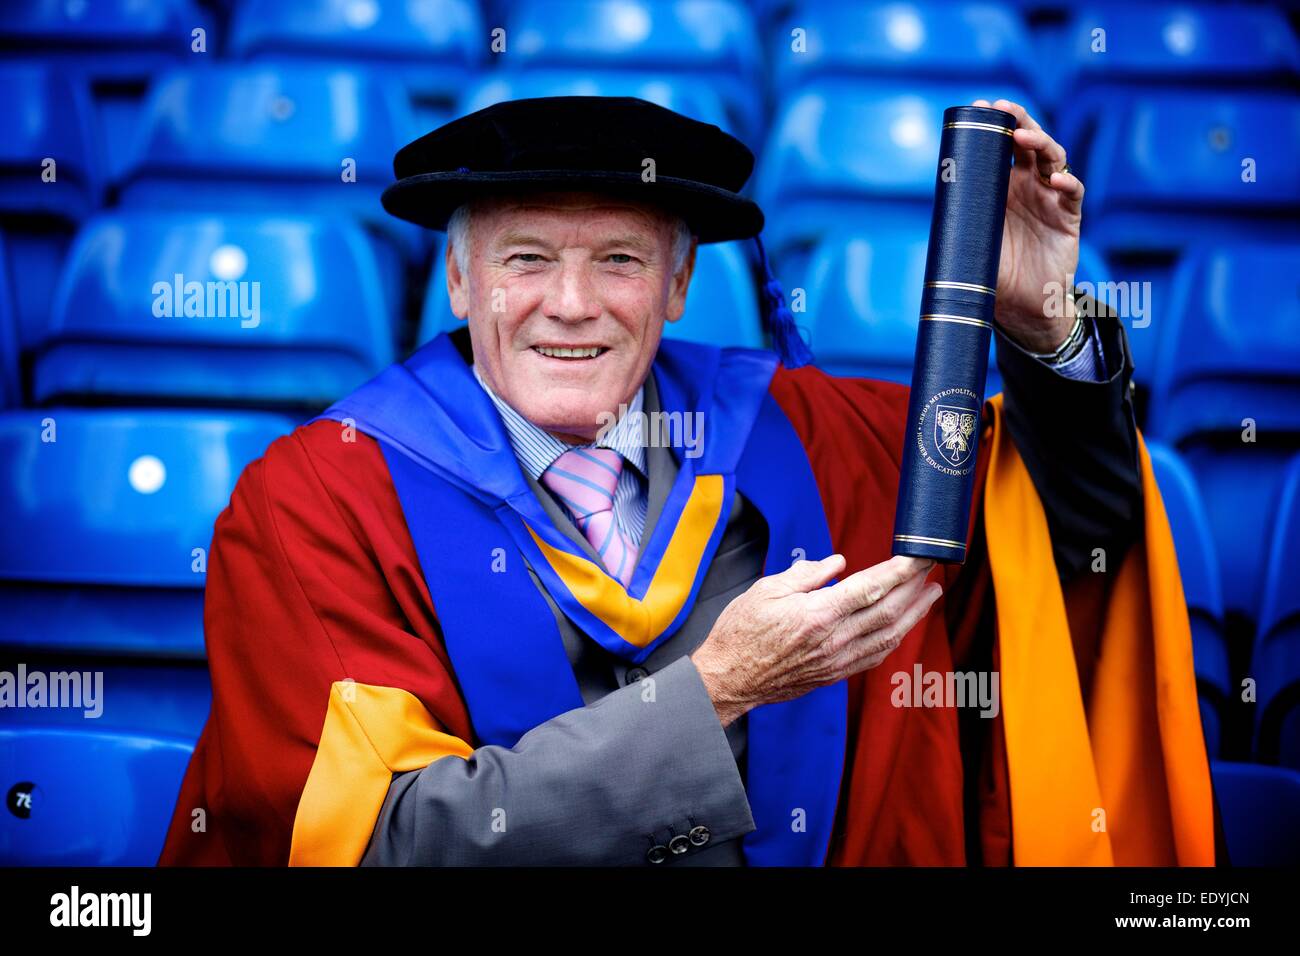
(567, 353)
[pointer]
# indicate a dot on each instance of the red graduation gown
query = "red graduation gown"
(313, 579)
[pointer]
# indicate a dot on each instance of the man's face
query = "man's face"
(567, 271)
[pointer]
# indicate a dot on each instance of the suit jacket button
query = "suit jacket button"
(657, 853)
(679, 844)
(700, 836)
(635, 675)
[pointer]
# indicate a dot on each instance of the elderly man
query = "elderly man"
(477, 614)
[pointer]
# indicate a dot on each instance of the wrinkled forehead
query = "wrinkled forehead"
(548, 210)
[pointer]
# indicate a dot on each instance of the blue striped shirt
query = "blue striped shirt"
(537, 450)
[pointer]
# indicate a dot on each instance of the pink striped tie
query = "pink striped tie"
(584, 479)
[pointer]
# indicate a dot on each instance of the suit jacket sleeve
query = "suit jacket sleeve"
(599, 785)
(1078, 440)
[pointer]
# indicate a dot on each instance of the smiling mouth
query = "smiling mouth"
(570, 353)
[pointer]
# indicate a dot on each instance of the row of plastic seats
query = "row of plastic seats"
(325, 315)
(1158, 149)
(1274, 660)
(1098, 51)
(102, 565)
(238, 309)
(717, 36)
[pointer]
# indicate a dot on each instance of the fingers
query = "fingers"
(1023, 119)
(1069, 186)
(1034, 147)
(866, 587)
(874, 647)
(885, 611)
(810, 575)
(1044, 151)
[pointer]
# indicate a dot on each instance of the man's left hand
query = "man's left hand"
(1040, 237)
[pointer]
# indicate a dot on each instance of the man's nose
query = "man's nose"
(571, 295)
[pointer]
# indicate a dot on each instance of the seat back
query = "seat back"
(1258, 804)
(80, 797)
(235, 308)
(1230, 349)
(110, 518)
(1276, 664)
(920, 39)
(1198, 567)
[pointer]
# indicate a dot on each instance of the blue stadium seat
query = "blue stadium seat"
(676, 93)
(430, 47)
(269, 138)
(721, 303)
(98, 550)
(1276, 664)
(1167, 43)
(843, 150)
(715, 42)
(1198, 566)
(1166, 169)
(322, 325)
(86, 797)
(1230, 351)
(863, 299)
(1165, 173)
(10, 384)
(918, 40)
(1230, 348)
(46, 116)
(1261, 813)
(103, 38)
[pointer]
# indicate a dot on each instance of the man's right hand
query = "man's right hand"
(787, 634)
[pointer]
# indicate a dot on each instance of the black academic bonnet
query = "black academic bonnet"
(597, 143)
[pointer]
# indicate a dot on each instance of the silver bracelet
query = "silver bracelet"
(1071, 342)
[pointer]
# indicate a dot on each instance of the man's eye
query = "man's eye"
(528, 256)
(621, 258)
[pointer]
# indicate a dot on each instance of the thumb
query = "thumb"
(810, 575)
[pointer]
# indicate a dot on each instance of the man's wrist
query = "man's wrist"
(1044, 342)
(728, 707)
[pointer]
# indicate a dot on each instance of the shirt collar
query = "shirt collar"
(537, 448)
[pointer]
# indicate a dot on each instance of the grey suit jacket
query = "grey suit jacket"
(644, 772)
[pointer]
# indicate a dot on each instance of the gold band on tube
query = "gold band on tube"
(964, 320)
(964, 286)
(984, 126)
(921, 539)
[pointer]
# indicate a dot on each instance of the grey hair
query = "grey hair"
(458, 237)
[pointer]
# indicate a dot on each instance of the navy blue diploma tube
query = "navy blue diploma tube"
(952, 342)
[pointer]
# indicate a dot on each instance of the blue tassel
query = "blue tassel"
(778, 321)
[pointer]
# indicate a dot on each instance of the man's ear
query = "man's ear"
(457, 285)
(680, 283)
